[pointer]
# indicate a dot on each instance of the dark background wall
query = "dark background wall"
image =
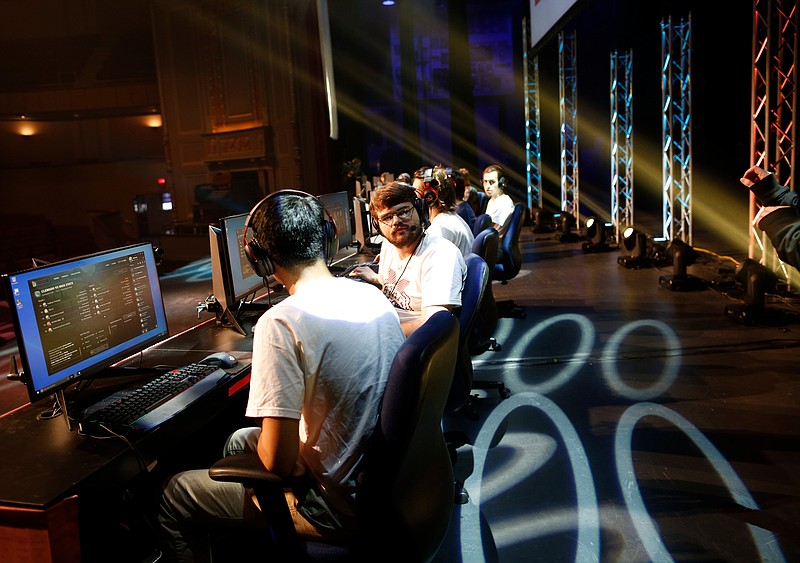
(90, 70)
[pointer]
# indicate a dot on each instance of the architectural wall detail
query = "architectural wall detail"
(248, 145)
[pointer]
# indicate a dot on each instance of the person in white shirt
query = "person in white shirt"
(500, 206)
(420, 273)
(321, 359)
(438, 191)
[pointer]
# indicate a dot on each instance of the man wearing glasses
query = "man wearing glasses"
(419, 273)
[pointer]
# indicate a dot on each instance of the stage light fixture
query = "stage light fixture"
(682, 255)
(633, 249)
(566, 222)
(756, 281)
(596, 235)
(658, 252)
(543, 221)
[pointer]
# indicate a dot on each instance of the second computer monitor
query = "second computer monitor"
(338, 205)
(244, 280)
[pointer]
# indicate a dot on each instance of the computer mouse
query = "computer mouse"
(222, 359)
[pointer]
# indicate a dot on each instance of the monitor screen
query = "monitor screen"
(243, 279)
(338, 205)
(76, 317)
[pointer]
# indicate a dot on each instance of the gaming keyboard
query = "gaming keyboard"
(145, 407)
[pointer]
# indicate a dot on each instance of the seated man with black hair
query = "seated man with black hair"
(420, 273)
(321, 359)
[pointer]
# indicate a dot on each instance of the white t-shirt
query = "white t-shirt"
(436, 265)
(323, 356)
(500, 210)
(453, 228)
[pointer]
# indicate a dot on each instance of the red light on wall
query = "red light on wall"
(161, 181)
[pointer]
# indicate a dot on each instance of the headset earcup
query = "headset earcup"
(431, 197)
(422, 211)
(502, 182)
(258, 259)
(330, 238)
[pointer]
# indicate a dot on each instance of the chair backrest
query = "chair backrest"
(485, 246)
(406, 479)
(464, 210)
(483, 201)
(482, 222)
(510, 260)
(472, 296)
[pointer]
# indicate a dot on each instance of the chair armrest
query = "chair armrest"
(246, 469)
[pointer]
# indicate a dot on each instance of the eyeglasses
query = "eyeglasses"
(402, 214)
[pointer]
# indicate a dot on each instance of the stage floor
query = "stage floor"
(643, 423)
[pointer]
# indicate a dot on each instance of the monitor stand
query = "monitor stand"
(233, 319)
(61, 404)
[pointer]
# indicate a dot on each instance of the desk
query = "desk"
(47, 470)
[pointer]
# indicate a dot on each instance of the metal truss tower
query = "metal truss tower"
(568, 105)
(621, 141)
(774, 109)
(676, 118)
(533, 148)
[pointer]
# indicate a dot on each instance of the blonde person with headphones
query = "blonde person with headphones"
(500, 206)
(438, 191)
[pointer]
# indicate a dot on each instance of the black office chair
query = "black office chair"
(483, 201)
(482, 337)
(509, 262)
(460, 399)
(482, 222)
(475, 285)
(464, 210)
(405, 479)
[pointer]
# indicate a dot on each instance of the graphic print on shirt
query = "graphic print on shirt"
(394, 289)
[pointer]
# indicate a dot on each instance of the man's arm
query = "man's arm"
(410, 326)
(367, 274)
(782, 226)
(767, 189)
(279, 444)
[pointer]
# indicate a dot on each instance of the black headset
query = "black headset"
(430, 188)
(259, 259)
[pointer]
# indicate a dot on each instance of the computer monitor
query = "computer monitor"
(368, 239)
(75, 318)
(338, 205)
(232, 277)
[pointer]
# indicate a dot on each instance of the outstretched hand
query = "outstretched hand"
(753, 175)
